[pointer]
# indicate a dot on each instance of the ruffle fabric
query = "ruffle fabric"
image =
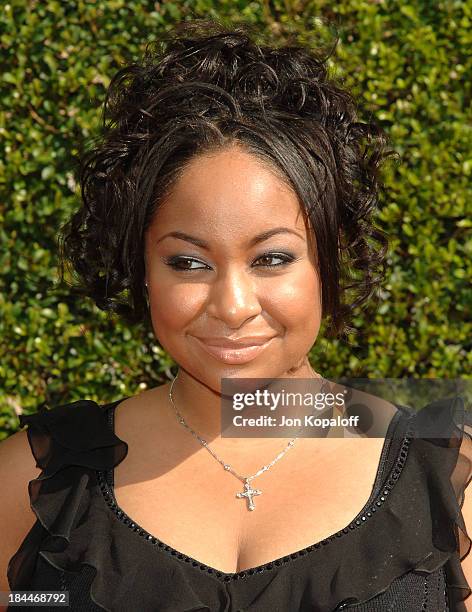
(68, 443)
(419, 527)
(443, 455)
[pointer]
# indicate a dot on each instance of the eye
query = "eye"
(286, 259)
(179, 263)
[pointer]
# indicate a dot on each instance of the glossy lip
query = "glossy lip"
(234, 343)
(231, 355)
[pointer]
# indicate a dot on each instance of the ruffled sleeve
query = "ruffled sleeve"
(444, 451)
(73, 434)
(68, 442)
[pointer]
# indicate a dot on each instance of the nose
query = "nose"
(233, 298)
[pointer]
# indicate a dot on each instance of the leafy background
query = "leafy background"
(410, 67)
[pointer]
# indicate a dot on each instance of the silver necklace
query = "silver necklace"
(248, 492)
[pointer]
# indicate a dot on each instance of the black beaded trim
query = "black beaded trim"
(445, 596)
(62, 581)
(445, 593)
(424, 604)
(365, 513)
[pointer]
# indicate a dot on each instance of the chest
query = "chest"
(191, 505)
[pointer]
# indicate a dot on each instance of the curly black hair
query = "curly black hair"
(204, 86)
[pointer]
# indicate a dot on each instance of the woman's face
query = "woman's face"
(232, 284)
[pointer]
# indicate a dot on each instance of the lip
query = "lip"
(234, 352)
(234, 343)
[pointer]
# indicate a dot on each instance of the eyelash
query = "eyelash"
(173, 262)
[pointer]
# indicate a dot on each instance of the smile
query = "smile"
(233, 356)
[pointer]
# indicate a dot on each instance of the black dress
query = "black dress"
(400, 553)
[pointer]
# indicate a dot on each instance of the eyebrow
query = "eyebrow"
(255, 240)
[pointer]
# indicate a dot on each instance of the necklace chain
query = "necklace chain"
(225, 465)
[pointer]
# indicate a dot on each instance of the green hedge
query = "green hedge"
(410, 65)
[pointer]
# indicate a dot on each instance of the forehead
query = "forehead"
(227, 193)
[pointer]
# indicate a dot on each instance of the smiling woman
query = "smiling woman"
(230, 206)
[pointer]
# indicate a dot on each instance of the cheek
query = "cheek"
(173, 306)
(295, 302)
(295, 306)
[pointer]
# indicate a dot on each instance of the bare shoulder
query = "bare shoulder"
(141, 411)
(17, 468)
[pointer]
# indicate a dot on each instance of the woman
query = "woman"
(231, 199)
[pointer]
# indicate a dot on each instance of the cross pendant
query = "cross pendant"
(249, 493)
